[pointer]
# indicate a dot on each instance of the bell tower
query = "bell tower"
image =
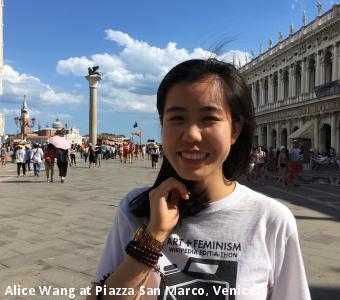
(25, 117)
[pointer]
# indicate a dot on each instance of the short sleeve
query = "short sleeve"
(122, 231)
(290, 280)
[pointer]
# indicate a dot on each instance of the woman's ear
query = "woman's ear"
(237, 129)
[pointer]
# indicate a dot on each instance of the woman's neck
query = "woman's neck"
(216, 190)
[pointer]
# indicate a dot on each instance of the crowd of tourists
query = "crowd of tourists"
(264, 162)
(31, 157)
(287, 162)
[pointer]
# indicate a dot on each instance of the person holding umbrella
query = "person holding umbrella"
(50, 154)
(62, 146)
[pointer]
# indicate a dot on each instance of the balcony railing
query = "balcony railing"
(328, 89)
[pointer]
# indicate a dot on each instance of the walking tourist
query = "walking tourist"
(125, 152)
(196, 226)
(154, 156)
(271, 160)
(50, 154)
(28, 153)
(20, 156)
(92, 157)
(295, 162)
(62, 162)
(283, 166)
(260, 165)
(97, 154)
(37, 155)
(3, 155)
(73, 155)
(143, 151)
(86, 153)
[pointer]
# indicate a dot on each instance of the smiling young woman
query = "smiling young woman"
(197, 227)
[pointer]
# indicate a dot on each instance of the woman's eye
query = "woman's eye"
(210, 119)
(176, 118)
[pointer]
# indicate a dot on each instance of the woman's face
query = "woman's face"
(197, 129)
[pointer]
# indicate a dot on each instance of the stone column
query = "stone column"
(260, 135)
(278, 135)
(93, 84)
(269, 136)
(253, 93)
(307, 76)
(333, 131)
(322, 68)
(271, 89)
(261, 102)
(303, 76)
(335, 63)
(280, 79)
(291, 92)
(300, 123)
(289, 131)
(316, 135)
(317, 69)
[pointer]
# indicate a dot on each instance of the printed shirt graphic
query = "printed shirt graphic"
(246, 242)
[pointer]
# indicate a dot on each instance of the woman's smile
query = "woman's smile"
(193, 157)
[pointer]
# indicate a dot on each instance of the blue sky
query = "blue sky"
(48, 46)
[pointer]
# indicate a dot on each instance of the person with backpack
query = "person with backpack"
(49, 156)
(37, 155)
(62, 162)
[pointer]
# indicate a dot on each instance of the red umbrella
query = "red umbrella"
(59, 142)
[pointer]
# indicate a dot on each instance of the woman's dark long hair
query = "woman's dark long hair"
(238, 97)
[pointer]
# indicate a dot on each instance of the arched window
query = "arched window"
(328, 66)
(257, 94)
(311, 71)
(275, 87)
(298, 80)
(265, 87)
(285, 84)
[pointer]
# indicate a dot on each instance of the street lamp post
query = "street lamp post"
(24, 123)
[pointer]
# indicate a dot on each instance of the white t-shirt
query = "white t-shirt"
(37, 155)
(245, 241)
(20, 156)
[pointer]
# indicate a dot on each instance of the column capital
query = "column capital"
(93, 80)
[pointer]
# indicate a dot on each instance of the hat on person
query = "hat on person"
(20, 146)
(282, 147)
(155, 145)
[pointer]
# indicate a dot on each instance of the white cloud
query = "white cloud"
(75, 65)
(131, 77)
(16, 85)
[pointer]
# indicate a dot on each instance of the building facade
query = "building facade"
(1, 44)
(295, 86)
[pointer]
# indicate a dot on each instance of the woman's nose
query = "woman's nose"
(192, 133)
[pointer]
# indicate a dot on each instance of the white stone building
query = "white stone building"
(295, 85)
(1, 44)
(73, 136)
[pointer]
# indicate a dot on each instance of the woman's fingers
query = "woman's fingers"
(171, 184)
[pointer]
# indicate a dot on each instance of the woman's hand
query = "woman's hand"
(164, 213)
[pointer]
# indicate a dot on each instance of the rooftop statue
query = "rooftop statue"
(280, 36)
(94, 70)
(319, 6)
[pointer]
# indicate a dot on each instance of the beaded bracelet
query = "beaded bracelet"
(145, 255)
